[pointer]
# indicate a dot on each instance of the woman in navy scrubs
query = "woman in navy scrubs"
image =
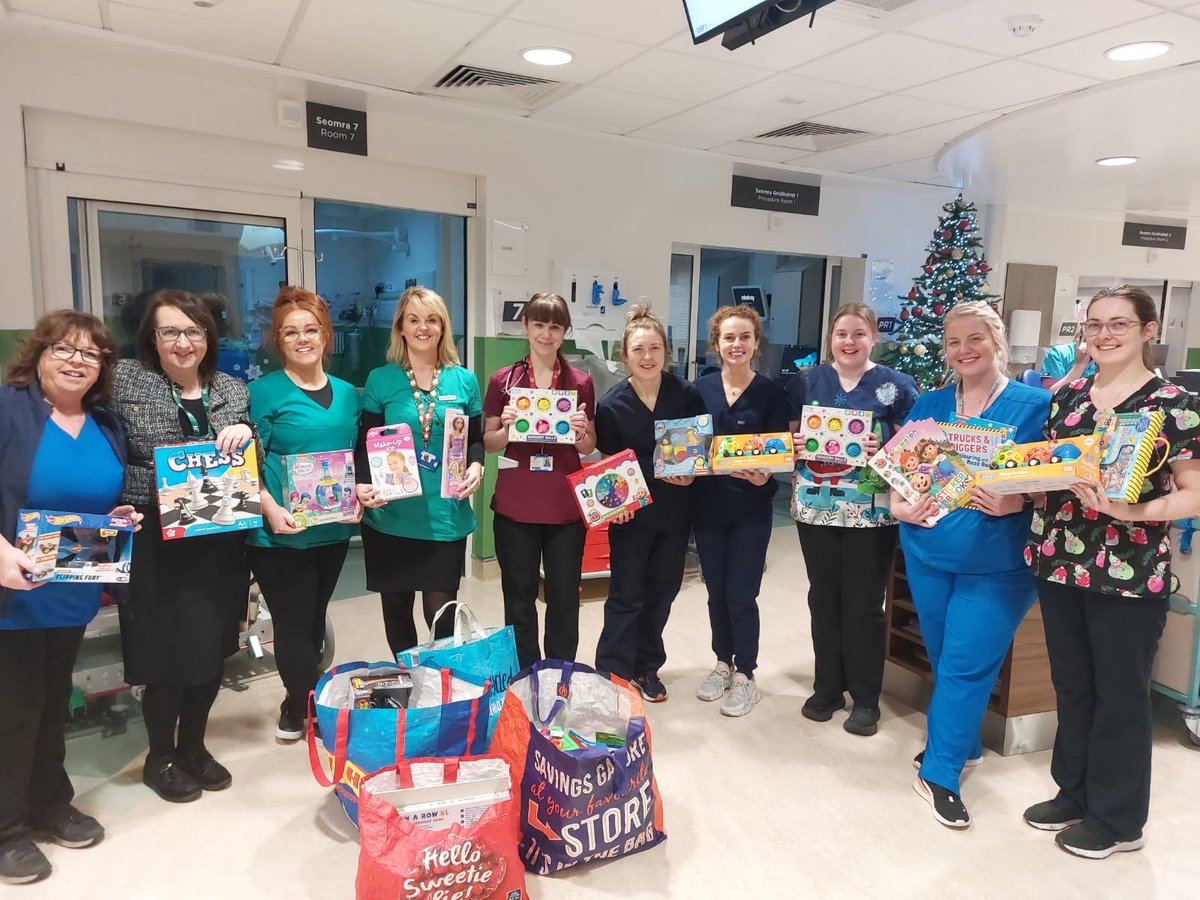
(733, 512)
(647, 547)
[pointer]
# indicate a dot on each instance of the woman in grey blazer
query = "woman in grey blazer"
(186, 597)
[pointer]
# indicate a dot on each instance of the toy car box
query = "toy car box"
(76, 546)
(1042, 465)
(767, 452)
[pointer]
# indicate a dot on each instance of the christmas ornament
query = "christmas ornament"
(963, 225)
(929, 270)
(917, 312)
(956, 254)
(972, 271)
(985, 287)
(939, 309)
(937, 292)
(891, 345)
(912, 294)
(984, 267)
(947, 234)
(920, 350)
(904, 350)
(904, 315)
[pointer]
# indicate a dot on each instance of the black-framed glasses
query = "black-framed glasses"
(171, 334)
(289, 335)
(66, 352)
(1116, 327)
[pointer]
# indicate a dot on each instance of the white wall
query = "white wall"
(585, 197)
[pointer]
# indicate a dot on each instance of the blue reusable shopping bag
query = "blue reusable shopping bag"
(447, 716)
(472, 651)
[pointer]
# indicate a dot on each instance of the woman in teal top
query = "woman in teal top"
(418, 543)
(300, 409)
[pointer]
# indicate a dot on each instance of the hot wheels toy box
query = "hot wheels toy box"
(1042, 465)
(76, 546)
(768, 452)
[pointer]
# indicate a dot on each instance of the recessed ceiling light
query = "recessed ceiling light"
(289, 165)
(547, 56)
(1117, 161)
(204, 4)
(1138, 51)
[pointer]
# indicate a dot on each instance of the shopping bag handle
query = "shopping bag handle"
(341, 736)
(465, 624)
(564, 680)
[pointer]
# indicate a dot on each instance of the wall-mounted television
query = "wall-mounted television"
(751, 295)
(709, 18)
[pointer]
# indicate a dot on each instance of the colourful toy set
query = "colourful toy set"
(76, 546)
(1130, 440)
(543, 417)
(975, 440)
(920, 460)
(766, 452)
(681, 446)
(606, 488)
(202, 491)
(319, 487)
(392, 461)
(454, 453)
(1042, 465)
(835, 436)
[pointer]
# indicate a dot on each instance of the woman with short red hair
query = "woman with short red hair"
(299, 409)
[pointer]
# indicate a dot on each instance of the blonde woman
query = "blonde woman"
(418, 543)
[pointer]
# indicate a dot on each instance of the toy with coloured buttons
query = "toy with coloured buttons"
(834, 435)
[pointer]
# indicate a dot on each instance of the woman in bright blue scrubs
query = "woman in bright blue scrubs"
(967, 572)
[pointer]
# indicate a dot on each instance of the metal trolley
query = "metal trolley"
(1177, 666)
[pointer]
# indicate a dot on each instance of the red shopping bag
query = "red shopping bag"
(462, 847)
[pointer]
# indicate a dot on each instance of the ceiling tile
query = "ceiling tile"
(817, 97)
(945, 132)
(632, 21)
(231, 39)
(81, 12)
(918, 170)
(1085, 56)
(500, 48)
(981, 24)
(709, 126)
(678, 76)
(268, 15)
(892, 62)
(790, 46)
(1001, 84)
(398, 27)
(762, 152)
(606, 109)
(491, 7)
(894, 113)
(871, 154)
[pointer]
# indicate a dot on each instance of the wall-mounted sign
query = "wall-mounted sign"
(775, 196)
(338, 129)
(1146, 234)
(888, 324)
(1068, 329)
(512, 310)
(509, 241)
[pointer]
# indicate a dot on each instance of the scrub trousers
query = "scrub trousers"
(968, 623)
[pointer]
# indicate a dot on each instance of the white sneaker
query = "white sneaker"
(716, 683)
(743, 694)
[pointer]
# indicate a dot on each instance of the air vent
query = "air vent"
(490, 87)
(810, 136)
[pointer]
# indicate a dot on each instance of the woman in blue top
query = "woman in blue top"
(301, 409)
(733, 512)
(847, 534)
(62, 450)
(967, 572)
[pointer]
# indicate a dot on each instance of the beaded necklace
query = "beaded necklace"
(425, 401)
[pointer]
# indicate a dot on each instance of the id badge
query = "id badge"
(541, 463)
(428, 460)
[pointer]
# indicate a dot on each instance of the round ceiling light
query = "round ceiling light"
(1117, 161)
(1138, 51)
(547, 56)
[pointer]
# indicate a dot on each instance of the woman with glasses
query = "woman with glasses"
(419, 543)
(186, 597)
(1103, 572)
(60, 449)
(299, 409)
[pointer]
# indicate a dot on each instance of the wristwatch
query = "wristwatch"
(1028, 503)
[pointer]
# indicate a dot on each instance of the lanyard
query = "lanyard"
(178, 397)
(426, 406)
(996, 389)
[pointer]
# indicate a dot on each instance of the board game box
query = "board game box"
(76, 546)
(320, 487)
(919, 460)
(454, 453)
(836, 436)
(392, 460)
(1042, 465)
(607, 487)
(201, 491)
(1130, 440)
(543, 417)
(768, 452)
(681, 446)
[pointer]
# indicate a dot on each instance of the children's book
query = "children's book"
(605, 488)
(319, 487)
(767, 452)
(202, 491)
(1130, 440)
(975, 439)
(454, 453)
(543, 417)
(76, 547)
(681, 446)
(392, 460)
(920, 460)
(836, 436)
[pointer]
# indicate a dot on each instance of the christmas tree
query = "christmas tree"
(955, 271)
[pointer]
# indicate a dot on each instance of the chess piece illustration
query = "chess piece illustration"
(224, 515)
(186, 517)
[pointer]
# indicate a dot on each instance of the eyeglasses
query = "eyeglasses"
(312, 333)
(170, 334)
(64, 351)
(1116, 327)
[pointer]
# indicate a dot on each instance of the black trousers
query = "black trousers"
(520, 546)
(35, 688)
(847, 573)
(1101, 656)
(297, 585)
(646, 567)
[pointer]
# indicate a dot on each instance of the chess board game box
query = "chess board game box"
(202, 491)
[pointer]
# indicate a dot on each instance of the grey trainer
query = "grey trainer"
(716, 684)
(742, 696)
